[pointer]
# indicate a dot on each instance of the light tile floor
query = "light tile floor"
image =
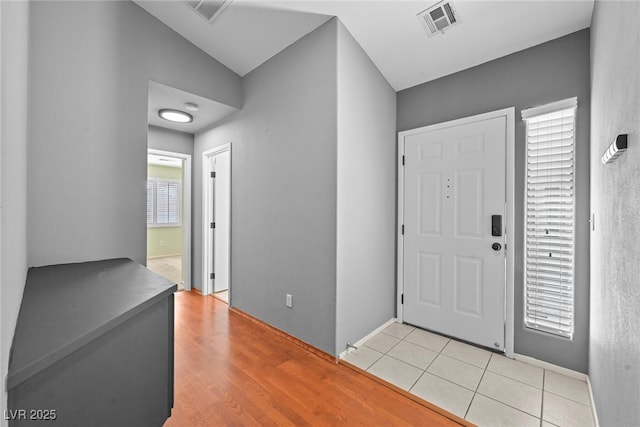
(485, 388)
(169, 267)
(222, 295)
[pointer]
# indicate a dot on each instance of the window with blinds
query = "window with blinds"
(163, 202)
(549, 218)
(149, 202)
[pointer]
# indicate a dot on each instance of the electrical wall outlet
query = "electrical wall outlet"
(289, 301)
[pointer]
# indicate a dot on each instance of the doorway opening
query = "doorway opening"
(216, 167)
(169, 216)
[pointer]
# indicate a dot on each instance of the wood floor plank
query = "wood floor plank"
(230, 370)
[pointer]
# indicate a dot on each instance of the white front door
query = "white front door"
(453, 269)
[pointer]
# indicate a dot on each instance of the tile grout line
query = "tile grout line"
(424, 372)
(430, 363)
(439, 353)
(387, 354)
(514, 379)
(475, 392)
(538, 388)
(469, 407)
(508, 406)
(407, 363)
(416, 382)
(568, 398)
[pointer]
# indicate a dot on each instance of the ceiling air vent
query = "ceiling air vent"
(438, 17)
(209, 9)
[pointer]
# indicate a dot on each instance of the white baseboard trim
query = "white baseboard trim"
(551, 367)
(367, 337)
(593, 403)
(564, 371)
(164, 256)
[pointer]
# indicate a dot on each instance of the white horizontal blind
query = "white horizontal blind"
(163, 202)
(549, 245)
(149, 202)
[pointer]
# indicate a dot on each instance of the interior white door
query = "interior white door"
(454, 280)
(221, 200)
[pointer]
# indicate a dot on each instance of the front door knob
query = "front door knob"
(496, 246)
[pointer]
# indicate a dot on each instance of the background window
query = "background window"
(549, 218)
(163, 202)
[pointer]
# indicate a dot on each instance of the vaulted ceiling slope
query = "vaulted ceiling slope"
(246, 33)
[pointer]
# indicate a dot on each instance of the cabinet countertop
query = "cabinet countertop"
(68, 305)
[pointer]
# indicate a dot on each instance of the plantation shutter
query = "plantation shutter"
(167, 202)
(549, 211)
(164, 202)
(174, 203)
(149, 202)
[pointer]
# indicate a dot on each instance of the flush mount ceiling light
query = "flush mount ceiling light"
(175, 116)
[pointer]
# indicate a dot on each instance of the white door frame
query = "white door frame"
(207, 206)
(186, 207)
(509, 114)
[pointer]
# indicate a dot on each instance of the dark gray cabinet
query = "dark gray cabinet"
(93, 347)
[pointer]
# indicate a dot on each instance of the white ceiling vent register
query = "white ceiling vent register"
(209, 9)
(439, 17)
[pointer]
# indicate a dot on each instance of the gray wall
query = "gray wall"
(91, 63)
(283, 197)
(14, 39)
(170, 140)
(366, 195)
(545, 73)
(614, 355)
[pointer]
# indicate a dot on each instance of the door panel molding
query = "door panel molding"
(509, 115)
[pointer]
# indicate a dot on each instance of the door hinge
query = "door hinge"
(213, 225)
(212, 276)
(402, 229)
(402, 299)
(403, 160)
(213, 174)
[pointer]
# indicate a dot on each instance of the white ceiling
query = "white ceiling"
(162, 96)
(249, 32)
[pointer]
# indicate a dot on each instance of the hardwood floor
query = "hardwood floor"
(231, 371)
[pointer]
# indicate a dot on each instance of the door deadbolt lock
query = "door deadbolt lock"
(496, 246)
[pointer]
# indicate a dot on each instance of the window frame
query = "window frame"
(529, 323)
